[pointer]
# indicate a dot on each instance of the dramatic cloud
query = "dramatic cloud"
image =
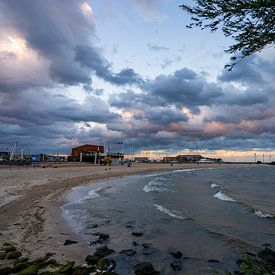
(50, 29)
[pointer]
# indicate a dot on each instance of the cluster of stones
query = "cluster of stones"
(14, 263)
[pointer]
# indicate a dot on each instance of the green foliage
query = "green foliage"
(250, 22)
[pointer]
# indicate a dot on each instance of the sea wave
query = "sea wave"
(155, 185)
(264, 214)
(221, 196)
(91, 194)
(172, 213)
(185, 170)
(214, 185)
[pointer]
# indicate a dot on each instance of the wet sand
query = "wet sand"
(30, 215)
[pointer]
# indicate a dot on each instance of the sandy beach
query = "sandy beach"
(30, 198)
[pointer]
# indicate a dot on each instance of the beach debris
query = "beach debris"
(14, 255)
(128, 252)
(2, 255)
(176, 265)
(103, 252)
(145, 268)
(137, 234)
(69, 242)
(135, 243)
(176, 255)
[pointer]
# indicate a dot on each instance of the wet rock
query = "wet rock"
(83, 271)
(250, 254)
(50, 262)
(267, 255)
(137, 234)
(148, 251)
(40, 260)
(67, 268)
(7, 244)
(69, 242)
(109, 273)
(103, 252)
(135, 243)
(130, 226)
(176, 265)
(49, 254)
(8, 248)
(128, 252)
(103, 236)
(146, 245)
(5, 270)
(96, 242)
(103, 264)
(20, 266)
(145, 268)
(92, 226)
(91, 260)
(21, 260)
(213, 261)
(266, 245)
(176, 255)
(14, 255)
(2, 255)
(31, 270)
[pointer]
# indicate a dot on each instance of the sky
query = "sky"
(109, 71)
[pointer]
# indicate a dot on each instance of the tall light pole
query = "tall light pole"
(263, 158)
(255, 155)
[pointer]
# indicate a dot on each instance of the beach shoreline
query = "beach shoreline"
(30, 213)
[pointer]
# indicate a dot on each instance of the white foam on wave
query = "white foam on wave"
(221, 196)
(185, 170)
(91, 194)
(214, 185)
(172, 213)
(263, 214)
(155, 185)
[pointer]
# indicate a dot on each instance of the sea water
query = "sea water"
(204, 213)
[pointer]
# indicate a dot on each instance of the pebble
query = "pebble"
(128, 252)
(69, 242)
(177, 255)
(137, 234)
